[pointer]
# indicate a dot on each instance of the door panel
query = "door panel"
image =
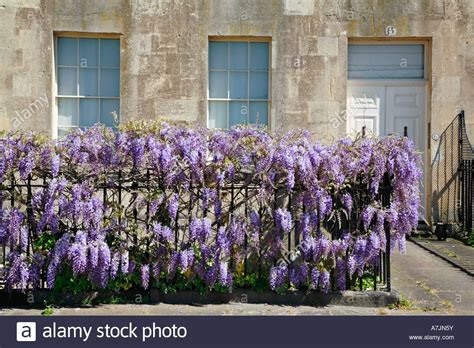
(366, 107)
(406, 108)
(387, 109)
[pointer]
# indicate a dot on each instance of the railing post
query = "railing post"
(387, 258)
(386, 203)
(460, 135)
(246, 238)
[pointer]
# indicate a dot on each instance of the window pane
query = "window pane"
(88, 82)
(67, 112)
(258, 85)
(258, 113)
(239, 55)
(217, 114)
(218, 54)
(67, 81)
(237, 113)
(110, 53)
(238, 85)
(63, 131)
(88, 53)
(109, 82)
(218, 84)
(110, 112)
(386, 61)
(89, 112)
(67, 51)
(259, 55)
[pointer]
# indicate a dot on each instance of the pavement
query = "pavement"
(219, 309)
(428, 284)
(451, 250)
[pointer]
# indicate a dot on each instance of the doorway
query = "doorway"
(387, 93)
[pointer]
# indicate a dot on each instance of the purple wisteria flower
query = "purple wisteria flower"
(61, 249)
(283, 220)
(225, 276)
(145, 276)
(341, 268)
(324, 281)
(114, 265)
(347, 202)
(18, 272)
(199, 229)
(124, 262)
(173, 205)
(278, 275)
(314, 278)
(162, 232)
(179, 182)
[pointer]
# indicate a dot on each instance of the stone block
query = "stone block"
(327, 46)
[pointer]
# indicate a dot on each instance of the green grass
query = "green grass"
(402, 304)
(49, 310)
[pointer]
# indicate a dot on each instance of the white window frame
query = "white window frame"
(245, 39)
(55, 92)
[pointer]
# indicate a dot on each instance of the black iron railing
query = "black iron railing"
(452, 178)
(466, 179)
(121, 191)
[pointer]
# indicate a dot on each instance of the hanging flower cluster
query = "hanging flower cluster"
(166, 202)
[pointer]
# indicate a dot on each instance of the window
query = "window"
(88, 82)
(238, 83)
(387, 61)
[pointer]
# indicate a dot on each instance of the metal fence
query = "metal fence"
(452, 177)
(122, 192)
(466, 195)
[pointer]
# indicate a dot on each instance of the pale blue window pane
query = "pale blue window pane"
(238, 112)
(218, 55)
(238, 85)
(258, 113)
(109, 82)
(88, 82)
(67, 51)
(217, 114)
(89, 112)
(110, 53)
(239, 55)
(67, 112)
(258, 85)
(110, 112)
(386, 61)
(67, 81)
(63, 131)
(259, 55)
(88, 53)
(218, 84)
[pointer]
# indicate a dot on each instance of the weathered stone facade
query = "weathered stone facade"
(164, 58)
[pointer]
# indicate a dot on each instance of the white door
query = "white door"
(406, 107)
(387, 108)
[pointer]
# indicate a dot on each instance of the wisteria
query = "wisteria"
(171, 203)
